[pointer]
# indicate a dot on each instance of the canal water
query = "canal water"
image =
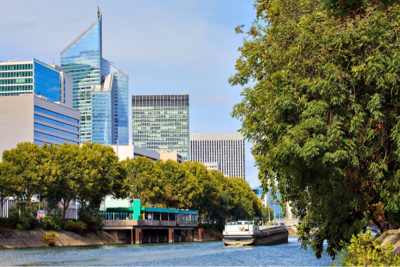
(174, 254)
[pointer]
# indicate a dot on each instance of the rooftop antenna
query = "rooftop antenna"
(98, 11)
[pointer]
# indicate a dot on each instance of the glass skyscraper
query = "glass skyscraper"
(161, 122)
(83, 60)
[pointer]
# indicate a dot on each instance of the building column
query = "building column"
(200, 235)
(149, 236)
(157, 236)
(138, 236)
(132, 236)
(170, 235)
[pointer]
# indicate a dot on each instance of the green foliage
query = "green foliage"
(322, 111)
(365, 250)
(91, 217)
(75, 226)
(91, 172)
(344, 8)
(23, 217)
(52, 223)
(50, 238)
(28, 166)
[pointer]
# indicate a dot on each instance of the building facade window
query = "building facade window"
(53, 138)
(51, 113)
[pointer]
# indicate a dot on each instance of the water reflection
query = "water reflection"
(193, 254)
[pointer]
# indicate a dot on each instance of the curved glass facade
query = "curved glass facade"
(82, 60)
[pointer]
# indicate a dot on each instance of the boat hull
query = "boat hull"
(268, 238)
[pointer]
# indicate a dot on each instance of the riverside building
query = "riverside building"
(161, 122)
(103, 106)
(225, 149)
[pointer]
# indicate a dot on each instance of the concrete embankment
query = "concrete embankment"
(392, 236)
(10, 239)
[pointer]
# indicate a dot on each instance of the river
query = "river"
(181, 254)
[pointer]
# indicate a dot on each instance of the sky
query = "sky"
(166, 47)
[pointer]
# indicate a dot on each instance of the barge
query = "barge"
(244, 233)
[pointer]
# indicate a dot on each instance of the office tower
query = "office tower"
(36, 105)
(161, 122)
(34, 77)
(83, 60)
(224, 148)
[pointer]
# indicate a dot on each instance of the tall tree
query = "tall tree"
(145, 180)
(30, 166)
(100, 162)
(209, 193)
(181, 186)
(63, 169)
(323, 112)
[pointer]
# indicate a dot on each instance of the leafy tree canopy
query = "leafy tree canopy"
(323, 112)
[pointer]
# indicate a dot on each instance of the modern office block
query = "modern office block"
(35, 77)
(226, 148)
(161, 122)
(33, 118)
(83, 60)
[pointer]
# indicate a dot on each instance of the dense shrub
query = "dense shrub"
(365, 250)
(23, 218)
(75, 226)
(91, 217)
(51, 223)
(50, 238)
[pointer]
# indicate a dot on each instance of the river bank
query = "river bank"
(12, 239)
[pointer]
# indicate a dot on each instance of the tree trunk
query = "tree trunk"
(65, 206)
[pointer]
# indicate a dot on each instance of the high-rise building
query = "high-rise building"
(227, 149)
(83, 60)
(35, 77)
(161, 122)
(36, 105)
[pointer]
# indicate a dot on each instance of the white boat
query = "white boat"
(244, 233)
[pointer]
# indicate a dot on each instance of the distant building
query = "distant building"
(165, 155)
(273, 204)
(213, 166)
(161, 122)
(228, 149)
(83, 60)
(133, 152)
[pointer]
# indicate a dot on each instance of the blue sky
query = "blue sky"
(166, 47)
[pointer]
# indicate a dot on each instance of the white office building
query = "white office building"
(227, 149)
